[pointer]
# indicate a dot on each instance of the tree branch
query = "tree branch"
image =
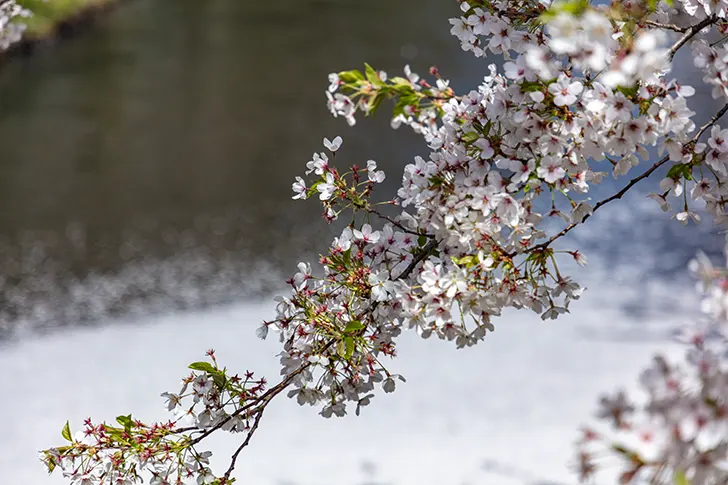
(710, 122)
(631, 183)
(659, 25)
(398, 225)
(245, 443)
(265, 398)
(432, 244)
(689, 34)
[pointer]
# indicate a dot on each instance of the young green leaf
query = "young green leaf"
(203, 366)
(372, 75)
(349, 342)
(66, 433)
(353, 327)
(125, 421)
(470, 137)
(351, 76)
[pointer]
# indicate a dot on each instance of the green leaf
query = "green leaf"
(470, 137)
(125, 421)
(398, 109)
(680, 171)
(219, 379)
(411, 99)
(372, 75)
(401, 85)
(218, 376)
(466, 261)
(398, 80)
(652, 4)
(341, 348)
(349, 342)
(313, 189)
(681, 478)
(354, 326)
(531, 86)
(351, 76)
(572, 7)
(66, 433)
(203, 366)
(629, 91)
(374, 103)
(347, 257)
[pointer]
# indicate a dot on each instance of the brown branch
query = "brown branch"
(659, 25)
(398, 225)
(689, 34)
(713, 119)
(632, 182)
(618, 195)
(265, 398)
(424, 253)
(417, 259)
(245, 443)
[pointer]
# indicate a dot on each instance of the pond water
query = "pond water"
(147, 164)
(146, 168)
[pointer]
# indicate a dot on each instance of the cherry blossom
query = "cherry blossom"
(334, 145)
(564, 91)
(373, 174)
(299, 187)
(326, 189)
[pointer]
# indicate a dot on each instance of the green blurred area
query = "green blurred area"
(48, 13)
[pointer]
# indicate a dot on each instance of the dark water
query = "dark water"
(146, 165)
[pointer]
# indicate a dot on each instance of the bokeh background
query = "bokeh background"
(145, 216)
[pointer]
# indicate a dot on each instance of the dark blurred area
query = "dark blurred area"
(147, 163)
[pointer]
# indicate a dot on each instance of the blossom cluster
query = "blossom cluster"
(681, 428)
(94, 455)
(583, 93)
(165, 453)
(11, 30)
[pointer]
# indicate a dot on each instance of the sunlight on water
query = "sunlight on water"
(510, 406)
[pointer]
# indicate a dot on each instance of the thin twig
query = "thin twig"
(710, 122)
(660, 25)
(417, 259)
(689, 34)
(631, 183)
(719, 41)
(245, 443)
(398, 225)
(618, 195)
(266, 397)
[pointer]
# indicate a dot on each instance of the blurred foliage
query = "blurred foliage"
(48, 13)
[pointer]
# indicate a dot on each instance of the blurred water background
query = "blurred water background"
(145, 184)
